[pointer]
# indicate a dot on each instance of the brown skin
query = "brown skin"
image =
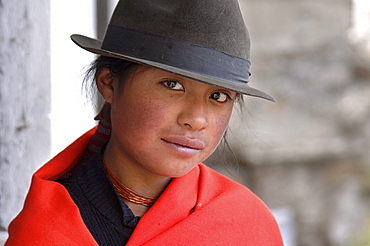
(163, 125)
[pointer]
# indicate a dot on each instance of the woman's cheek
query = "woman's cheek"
(221, 123)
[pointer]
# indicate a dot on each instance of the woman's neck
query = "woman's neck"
(135, 177)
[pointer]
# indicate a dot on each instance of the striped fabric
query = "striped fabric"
(101, 135)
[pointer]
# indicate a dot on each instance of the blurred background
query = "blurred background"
(307, 155)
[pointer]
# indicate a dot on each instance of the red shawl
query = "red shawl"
(201, 208)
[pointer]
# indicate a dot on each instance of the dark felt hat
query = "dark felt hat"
(205, 40)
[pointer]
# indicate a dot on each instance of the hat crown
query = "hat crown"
(205, 40)
(215, 24)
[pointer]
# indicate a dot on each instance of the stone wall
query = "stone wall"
(24, 99)
(309, 151)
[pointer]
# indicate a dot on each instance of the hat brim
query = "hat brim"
(94, 46)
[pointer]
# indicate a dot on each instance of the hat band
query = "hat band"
(176, 53)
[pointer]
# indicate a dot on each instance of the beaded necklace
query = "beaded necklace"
(127, 193)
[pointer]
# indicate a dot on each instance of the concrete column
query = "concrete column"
(24, 99)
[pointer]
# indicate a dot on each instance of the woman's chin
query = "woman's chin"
(175, 172)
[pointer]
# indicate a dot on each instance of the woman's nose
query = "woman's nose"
(194, 115)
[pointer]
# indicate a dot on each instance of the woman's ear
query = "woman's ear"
(104, 82)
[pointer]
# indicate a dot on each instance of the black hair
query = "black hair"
(118, 68)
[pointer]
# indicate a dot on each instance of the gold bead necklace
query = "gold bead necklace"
(127, 193)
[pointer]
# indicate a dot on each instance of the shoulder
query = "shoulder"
(86, 181)
(221, 183)
(237, 195)
(240, 210)
(234, 196)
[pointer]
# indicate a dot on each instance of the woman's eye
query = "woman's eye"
(220, 97)
(174, 85)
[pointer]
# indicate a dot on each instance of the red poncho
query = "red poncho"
(201, 208)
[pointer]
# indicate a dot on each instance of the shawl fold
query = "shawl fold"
(200, 208)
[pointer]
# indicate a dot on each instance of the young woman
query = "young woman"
(170, 73)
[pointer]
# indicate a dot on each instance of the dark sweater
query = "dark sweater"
(108, 218)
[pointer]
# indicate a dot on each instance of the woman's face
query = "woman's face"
(166, 124)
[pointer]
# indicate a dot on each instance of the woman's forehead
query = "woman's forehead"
(158, 73)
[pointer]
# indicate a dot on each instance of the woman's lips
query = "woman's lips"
(183, 145)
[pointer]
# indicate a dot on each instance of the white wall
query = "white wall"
(361, 20)
(71, 113)
(24, 99)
